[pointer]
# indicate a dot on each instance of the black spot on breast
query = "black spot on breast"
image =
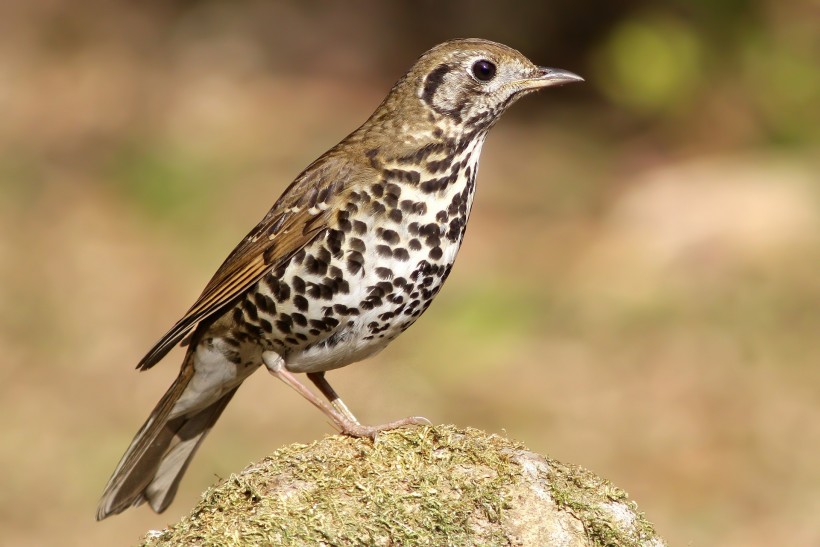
(299, 319)
(315, 266)
(323, 256)
(384, 251)
(359, 227)
(455, 204)
(396, 216)
(455, 231)
(298, 284)
(390, 236)
(300, 302)
(335, 239)
(414, 244)
(355, 261)
(393, 189)
(264, 303)
(250, 310)
(391, 200)
(357, 244)
(430, 229)
(400, 253)
(438, 165)
(279, 289)
(384, 273)
(326, 290)
(377, 207)
(283, 325)
(406, 175)
(435, 253)
(433, 185)
(344, 224)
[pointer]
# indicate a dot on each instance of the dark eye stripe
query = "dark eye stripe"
(433, 81)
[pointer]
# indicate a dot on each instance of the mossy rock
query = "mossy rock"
(416, 486)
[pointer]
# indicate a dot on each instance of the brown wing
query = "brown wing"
(298, 216)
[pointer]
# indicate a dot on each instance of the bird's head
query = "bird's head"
(468, 83)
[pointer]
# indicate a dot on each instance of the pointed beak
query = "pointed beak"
(547, 77)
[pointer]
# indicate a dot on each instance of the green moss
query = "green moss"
(413, 486)
(416, 486)
(600, 506)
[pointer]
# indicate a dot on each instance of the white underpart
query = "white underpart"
(354, 346)
(214, 376)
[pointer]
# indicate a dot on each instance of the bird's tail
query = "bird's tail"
(151, 468)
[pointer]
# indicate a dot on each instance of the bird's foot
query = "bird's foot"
(353, 429)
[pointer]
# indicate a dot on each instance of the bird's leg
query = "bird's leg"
(318, 379)
(344, 421)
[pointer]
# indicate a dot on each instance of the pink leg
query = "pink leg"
(339, 414)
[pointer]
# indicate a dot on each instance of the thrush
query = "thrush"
(350, 255)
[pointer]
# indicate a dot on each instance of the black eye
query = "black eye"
(484, 70)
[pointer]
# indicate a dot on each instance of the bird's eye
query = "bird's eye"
(484, 70)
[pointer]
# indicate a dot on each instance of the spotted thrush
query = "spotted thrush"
(351, 254)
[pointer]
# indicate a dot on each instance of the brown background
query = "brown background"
(638, 292)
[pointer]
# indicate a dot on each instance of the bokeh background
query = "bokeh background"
(639, 291)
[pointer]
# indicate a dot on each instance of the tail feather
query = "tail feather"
(151, 468)
(160, 493)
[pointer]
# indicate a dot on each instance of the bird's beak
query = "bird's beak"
(546, 77)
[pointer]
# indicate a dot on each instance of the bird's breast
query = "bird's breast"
(374, 271)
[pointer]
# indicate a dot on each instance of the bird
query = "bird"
(349, 256)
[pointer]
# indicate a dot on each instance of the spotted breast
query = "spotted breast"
(373, 272)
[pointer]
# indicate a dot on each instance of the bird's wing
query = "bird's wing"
(299, 215)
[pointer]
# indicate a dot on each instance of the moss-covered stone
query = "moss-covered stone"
(416, 486)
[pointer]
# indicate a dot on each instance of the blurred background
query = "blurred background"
(638, 293)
